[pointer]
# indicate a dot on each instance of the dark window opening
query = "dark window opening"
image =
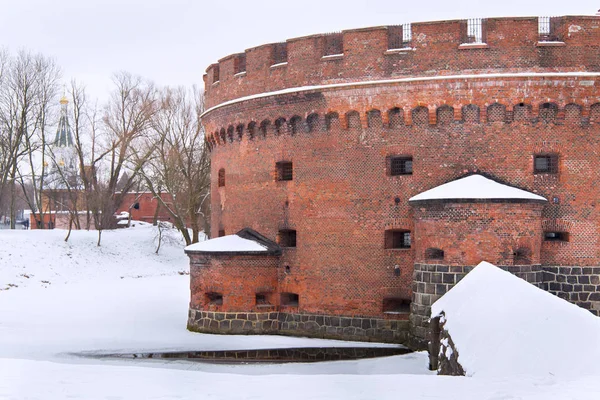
(279, 53)
(221, 177)
(287, 238)
(221, 232)
(214, 298)
(331, 119)
(263, 299)
(295, 124)
(545, 164)
(280, 126)
(240, 131)
(312, 121)
(334, 44)
(239, 64)
(401, 166)
(522, 256)
(264, 127)
(556, 236)
(396, 305)
(285, 171)
(433, 253)
(215, 74)
(251, 130)
(287, 269)
(290, 299)
(397, 239)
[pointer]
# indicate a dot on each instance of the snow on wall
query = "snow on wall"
(229, 243)
(502, 325)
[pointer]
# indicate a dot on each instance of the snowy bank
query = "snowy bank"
(502, 325)
(43, 258)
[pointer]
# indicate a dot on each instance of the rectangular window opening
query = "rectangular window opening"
(547, 29)
(397, 239)
(334, 44)
(396, 305)
(545, 164)
(214, 298)
(401, 166)
(216, 74)
(290, 299)
(287, 238)
(263, 299)
(285, 171)
(221, 232)
(239, 64)
(279, 53)
(553, 236)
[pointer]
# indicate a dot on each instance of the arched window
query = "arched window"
(374, 119)
(522, 256)
(312, 122)
(280, 126)
(420, 116)
(332, 119)
(395, 117)
(240, 131)
(251, 130)
(522, 112)
(470, 114)
(353, 120)
(223, 136)
(445, 115)
(295, 124)
(572, 113)
(230, 133)
(264, 127)
(496, 112)
(548, 112)
(222, 177)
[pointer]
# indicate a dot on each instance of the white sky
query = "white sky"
(172, 42)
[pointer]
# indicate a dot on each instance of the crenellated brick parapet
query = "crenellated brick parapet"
(440, 48)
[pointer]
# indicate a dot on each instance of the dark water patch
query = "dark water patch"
(287, 355)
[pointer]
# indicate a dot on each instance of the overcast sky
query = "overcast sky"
(172, 42)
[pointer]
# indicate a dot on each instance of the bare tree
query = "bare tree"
(179, 164)
(127, 119)
(27, 89)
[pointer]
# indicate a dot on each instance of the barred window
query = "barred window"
(397, 239)
(547, 29)
(279, 53)
(400, 166)
(334, 44)
(474, 31)
(545, 164)
(285, 171)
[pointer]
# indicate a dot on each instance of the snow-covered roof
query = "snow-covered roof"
(502, 325)
(229, 243)
(476, 187)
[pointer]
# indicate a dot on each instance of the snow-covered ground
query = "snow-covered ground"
(123, 297)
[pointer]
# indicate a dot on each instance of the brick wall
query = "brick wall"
(342, 198)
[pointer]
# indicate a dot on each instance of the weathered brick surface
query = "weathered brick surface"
(342, 198)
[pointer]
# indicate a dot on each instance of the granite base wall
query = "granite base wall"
(296, 324)
(579, 285)
(430, 282)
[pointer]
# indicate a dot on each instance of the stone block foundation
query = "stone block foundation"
(363, 329)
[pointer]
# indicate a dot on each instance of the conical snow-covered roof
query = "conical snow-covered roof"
(476, 187)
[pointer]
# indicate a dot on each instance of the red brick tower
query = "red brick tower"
(318, 144)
